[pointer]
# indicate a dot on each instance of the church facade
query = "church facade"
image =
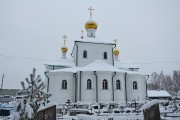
(94, 74)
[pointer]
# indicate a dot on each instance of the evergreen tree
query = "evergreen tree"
(28, 106)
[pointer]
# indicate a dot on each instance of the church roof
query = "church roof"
(125, 65)
(94, 40)
(97, 65)
(62, 62)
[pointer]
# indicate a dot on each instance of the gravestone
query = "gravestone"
(151, 111)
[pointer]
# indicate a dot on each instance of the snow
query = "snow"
(149, 104)
(47, 106)
(29, 110)
(156, 93)
(15, 116)
(97, 65)
(125, 65)
(173, 114)
(69, 62)
(94, 40)
(86, 117)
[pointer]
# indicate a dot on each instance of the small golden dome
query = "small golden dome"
(91, 25)
(116, 51)
(64, 49)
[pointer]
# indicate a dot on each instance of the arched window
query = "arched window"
(105, 55)
(64, 84)
(105, 84)
(89, 84)
(134, 85)
(118, 84)
(85, 54)
(91, 34)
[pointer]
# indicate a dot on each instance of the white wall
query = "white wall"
(60, 95)
(88, 94)
(119, 94)
(94, 52)
(104, 95)
(140, 93)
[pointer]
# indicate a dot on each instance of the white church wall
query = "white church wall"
(104, 95)
(60, 95)
(119, 94)
(140, 92)
(88, 95)
(94, 52)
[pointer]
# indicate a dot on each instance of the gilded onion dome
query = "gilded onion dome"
(64, 49)
(116, 51)
(91, 24)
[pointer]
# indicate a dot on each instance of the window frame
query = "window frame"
(89, 84)
(84, 54)
(105, 55)
(135, 86)
(104, 84)
(64, 84)
(118, 84)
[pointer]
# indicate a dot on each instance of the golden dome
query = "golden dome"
(64, 49)
(91, 25)
(116, 51)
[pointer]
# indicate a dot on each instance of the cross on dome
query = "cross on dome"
(115, 40)
(91, 25)
(65, 37)
(64, 49)
(82, 34)
(90, 10)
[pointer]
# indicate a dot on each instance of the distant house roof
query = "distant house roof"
(11, 92)
(158, 94)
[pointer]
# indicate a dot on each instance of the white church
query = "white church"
(94, 74)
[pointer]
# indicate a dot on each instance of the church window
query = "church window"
(105, 55)
(91, 34)
(89, 84)
(105, 84)
(134, 85)
(64, 84)
(85, 54)
(118, 84)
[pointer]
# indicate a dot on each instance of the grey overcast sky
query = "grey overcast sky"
(148, 32)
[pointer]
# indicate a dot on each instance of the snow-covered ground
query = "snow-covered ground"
(170, 111)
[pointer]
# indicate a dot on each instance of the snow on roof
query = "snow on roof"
(94, 40)
(62, 62)
(97, 65)
(149, 104)
(47, 106)
(158, 93)
(126, 65)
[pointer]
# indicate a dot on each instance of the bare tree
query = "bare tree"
(165, 82)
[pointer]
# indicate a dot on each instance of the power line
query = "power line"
(42, 59)
(27, 58)
(155, 62)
